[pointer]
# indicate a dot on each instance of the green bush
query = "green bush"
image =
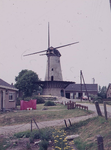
(46, 134)
(35, 134)
(98, 99)
(49, 103)
(44, 145)
(108, 102)
(40, 100)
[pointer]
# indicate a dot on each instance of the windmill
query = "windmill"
(53, 77)
(53, 69)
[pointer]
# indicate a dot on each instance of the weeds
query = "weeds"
(28, 147)
(60, 142)
(45, 135)
(22, 134)
(58, 137)
(4, 144)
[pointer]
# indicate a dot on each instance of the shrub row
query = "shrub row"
(49, 103)
(40, 100)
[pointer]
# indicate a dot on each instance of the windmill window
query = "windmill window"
(52, 69)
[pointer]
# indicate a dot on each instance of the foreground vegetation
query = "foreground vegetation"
(88, 130)
(43, 113)
(56, 138)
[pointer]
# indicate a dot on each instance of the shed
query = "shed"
(74, 90)
(8, 96)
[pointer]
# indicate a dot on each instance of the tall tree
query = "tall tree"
(102, 92)
(25, 82)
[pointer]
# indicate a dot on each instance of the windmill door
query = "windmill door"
(62, 93)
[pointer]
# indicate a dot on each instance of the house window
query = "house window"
(11, 96)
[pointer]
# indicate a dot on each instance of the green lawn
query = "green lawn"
(52, 113)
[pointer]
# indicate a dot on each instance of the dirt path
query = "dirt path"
(10, 130)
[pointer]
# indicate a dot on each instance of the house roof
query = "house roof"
(77, 87)
(6, 85)
(108, 87)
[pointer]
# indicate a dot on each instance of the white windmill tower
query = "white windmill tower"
(53, 83)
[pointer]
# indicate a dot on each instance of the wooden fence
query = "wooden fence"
(73, 105)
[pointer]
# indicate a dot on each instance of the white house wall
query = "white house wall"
(8, 104)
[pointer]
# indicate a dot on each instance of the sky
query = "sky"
(24, 29)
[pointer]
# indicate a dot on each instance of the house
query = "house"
(73, 91)
(8, 96)
(108, 92)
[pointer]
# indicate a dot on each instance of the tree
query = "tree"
(25, 82)
(102, 92)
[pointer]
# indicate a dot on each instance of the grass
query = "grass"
(88, 130)
(52, 113)
(4, 143)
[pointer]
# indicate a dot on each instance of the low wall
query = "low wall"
(46, 98)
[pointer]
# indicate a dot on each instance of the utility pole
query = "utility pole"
(81, 83)
(82, 78)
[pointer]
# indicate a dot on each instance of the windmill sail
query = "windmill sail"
(53, 69)
(48, 36)
(66, 45)
(35, 53)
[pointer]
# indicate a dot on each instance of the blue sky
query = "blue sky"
(24, 29)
